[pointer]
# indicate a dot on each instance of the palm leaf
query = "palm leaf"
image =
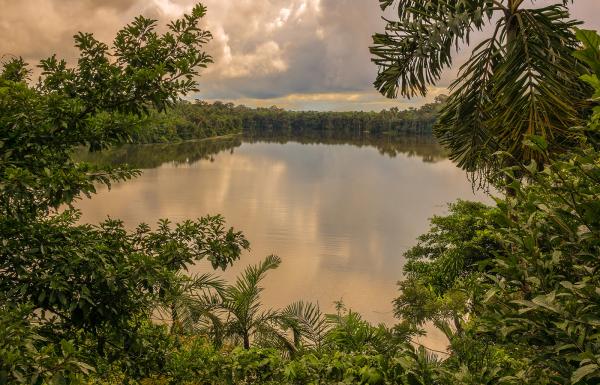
(413, 51)
(462, 125)
(306, 322)
(241, 301)
(522, 82)
(535, 84)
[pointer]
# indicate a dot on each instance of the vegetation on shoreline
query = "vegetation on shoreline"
(514, 287)
(511, 285)
(199, 120)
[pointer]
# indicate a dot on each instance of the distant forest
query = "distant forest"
(201, 120)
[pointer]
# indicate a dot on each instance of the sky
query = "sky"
(296, 54)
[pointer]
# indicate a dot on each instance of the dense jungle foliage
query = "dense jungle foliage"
(515, 287)
(201, 120)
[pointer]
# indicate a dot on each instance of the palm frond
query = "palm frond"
(462, 126)
(414, 50)
(523, 82)
(248, 282)
(244, 296)
(536, 86)
(204, 283)
(306, 322)
(241, 300)
(268, 335)
(192, 303)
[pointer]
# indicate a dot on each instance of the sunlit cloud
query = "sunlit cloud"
(301, 54)
(170, 8)
(266, 59)
(368, 100)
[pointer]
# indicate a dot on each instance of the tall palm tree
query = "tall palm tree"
(521, 81)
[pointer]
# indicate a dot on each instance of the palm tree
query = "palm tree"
(521, 82)
(245, 316)
(306, 325)
(193, 304)
(350, 333)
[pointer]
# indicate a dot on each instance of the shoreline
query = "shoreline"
(219, 137)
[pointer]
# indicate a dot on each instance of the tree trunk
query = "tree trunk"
(512, 30)
(458, 325)
(246, 340)
(175, 325)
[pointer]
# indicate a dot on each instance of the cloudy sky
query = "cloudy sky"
(299, 54)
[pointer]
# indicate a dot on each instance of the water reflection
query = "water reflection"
(153, 155)
(423, 146)
(340, 216)
(144, 156)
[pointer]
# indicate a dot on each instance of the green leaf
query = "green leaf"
(583, 372)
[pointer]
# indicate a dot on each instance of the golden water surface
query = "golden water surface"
(340, 215)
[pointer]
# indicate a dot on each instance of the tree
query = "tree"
(91, 286)
(533, 311)
(520, 81)
(543, 298)
(245, 316)
(443, 271)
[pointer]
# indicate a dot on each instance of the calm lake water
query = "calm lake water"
(339, 212)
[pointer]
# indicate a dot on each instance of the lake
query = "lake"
(340, 212)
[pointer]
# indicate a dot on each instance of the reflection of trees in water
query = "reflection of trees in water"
(153, 155)
(146, 156)
(423, 146)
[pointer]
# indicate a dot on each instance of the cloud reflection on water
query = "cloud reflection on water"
(340, 216)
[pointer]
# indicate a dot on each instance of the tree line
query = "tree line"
(199, 120)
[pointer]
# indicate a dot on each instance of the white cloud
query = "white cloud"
(169, 8)
(266, 59)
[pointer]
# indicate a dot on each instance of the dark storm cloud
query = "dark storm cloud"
(296, 53)
(324, 49)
